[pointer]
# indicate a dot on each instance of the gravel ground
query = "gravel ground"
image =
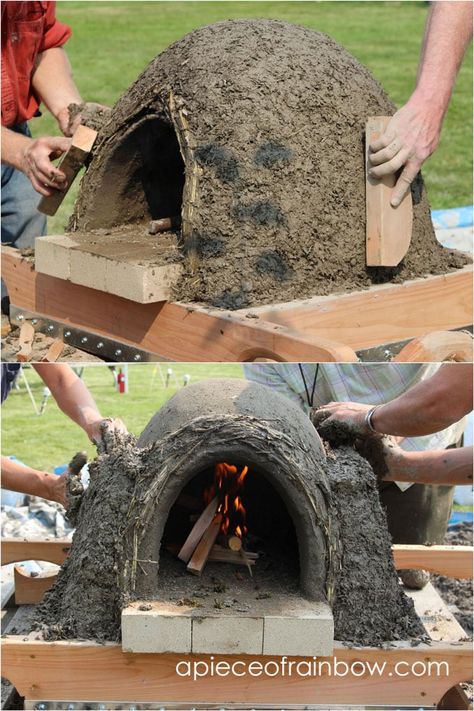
(457, 593)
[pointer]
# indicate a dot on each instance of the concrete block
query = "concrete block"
(306, 633)
(52, 255)
(227, 635)
(87, 269)
(163, 628)
(131, 270)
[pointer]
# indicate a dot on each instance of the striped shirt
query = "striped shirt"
(371, 383)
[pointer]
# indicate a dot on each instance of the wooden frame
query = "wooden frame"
(86, 671)
(327, 328)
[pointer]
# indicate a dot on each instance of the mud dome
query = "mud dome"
(253, 130)
(343, 545)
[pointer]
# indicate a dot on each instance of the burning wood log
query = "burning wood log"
(198, 530)
(203, 549)
(233, 543)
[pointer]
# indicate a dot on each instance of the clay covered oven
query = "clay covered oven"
(314, 530)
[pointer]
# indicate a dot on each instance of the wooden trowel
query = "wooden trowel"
(388, 229)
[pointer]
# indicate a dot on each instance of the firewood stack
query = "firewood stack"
(210, 538)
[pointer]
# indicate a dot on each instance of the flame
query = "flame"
(227, 484)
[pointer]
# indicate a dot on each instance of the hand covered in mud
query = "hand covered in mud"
(104, 433)
(389, 461)
(411, 136)
(56, 488)
(70, 117)
(36, 163)
(342, 421)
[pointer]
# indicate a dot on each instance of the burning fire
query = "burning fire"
(227, 487)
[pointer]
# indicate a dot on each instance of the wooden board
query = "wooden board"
(454, 346)
(15, 550)
(71, 163)
(101, 672)
(30, 590)
(383, 314)
(169, 330)
(453, 561)
(388, 229)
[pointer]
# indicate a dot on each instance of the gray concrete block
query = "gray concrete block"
(52, 255)
(227, 635)
(306, 633)
(161, 629)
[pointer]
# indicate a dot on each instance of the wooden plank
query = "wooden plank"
(15, 550)
(455, 346)
(71, 163)
(102, 672)
(438, 621)
(30, 590)
(169, 330)
(455, 698)
(387, 313)
(453, 561)
(198, 530)
(203, 548)
(388, 229)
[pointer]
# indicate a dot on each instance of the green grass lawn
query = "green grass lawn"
(114, 41)
(51, 439)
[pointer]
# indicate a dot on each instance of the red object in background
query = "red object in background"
(121, 382)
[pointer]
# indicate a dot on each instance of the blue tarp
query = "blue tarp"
(454, 217)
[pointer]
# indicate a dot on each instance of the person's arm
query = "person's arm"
(33, 157)
(72, 396)
(430, 406)
(446, 467)
(53, 81)
(26, 480)
(413, 133)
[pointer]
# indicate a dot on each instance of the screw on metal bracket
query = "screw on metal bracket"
(50, 328)
(20, 317)
(137, 357)
(67, 334)
(99, 345)
(34, 321)
(118, 352)
(84, 339)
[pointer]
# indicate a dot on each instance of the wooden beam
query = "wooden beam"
(385, 313)
(456, 698)
(103, 672)
(30, 590)
(176, 331)
(15, 550)
(453, 561)
(198, 530)
(388, 229)
(71, 163)
(201, 554)
(455, 346)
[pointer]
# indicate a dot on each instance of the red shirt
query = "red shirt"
(28, 28)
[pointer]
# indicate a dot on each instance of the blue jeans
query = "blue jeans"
(21, 221)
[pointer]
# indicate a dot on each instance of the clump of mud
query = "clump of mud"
(370, 606)
(253, 131)
(110, 550)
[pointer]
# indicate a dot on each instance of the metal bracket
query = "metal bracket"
(101, 346)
